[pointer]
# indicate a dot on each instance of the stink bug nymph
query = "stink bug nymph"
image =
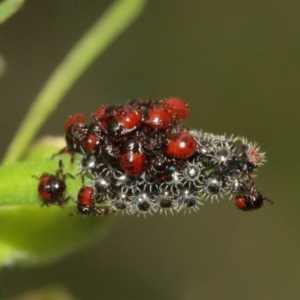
(52, 187)
(250, 200)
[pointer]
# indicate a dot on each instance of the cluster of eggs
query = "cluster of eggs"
(140, 158)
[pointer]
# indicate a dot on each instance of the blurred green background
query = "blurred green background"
(237, 64)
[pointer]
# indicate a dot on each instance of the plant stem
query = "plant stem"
(115, 20)
(8, 8)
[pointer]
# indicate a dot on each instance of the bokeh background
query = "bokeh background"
(237, 64)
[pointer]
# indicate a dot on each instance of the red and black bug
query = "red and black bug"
(250, 200)
(75, 119)
(86, 204)
(181, 145)
(118, 120)
(94, 140)
(177, 108)
(52, 187)
(132, 158)
(158, 117)
(126, 119)
(100, 116)
(76, 131)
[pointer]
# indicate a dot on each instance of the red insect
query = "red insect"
(76, 131)
(127, 119)
(132, 158)
(52, 187)
(181, 145)
(177, 108)
(86, 202)
(91, 143)
(250, 200)
(102, 116)
(118, 120)
(158, 117)
(75, 119)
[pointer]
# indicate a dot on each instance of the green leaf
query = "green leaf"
(18, 181)
(8, 8)
(31, 233)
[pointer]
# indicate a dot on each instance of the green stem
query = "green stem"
(118, 17)
(8, 8)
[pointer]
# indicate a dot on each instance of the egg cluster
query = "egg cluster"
(140, 158)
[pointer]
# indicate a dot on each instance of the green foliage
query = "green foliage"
(31, 233)
(21, 179)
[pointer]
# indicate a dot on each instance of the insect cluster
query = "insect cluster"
(140, 158)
